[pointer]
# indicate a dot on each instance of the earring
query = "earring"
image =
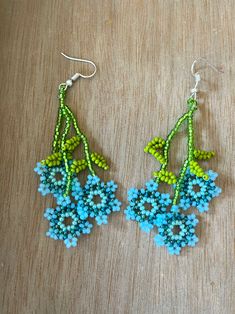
(193, 187)
(58, 176)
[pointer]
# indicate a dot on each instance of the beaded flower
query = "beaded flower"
(145, 204)
(58, 176)
(197, 191)
(65, 224)
(176, 231)
(193, 187)
(53, 179)
(98, 199)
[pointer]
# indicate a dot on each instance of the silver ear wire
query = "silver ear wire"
(70, 81)
(197, 76)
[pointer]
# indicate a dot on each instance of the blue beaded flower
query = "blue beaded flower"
(66, 225)
(98, 200)
(198, 192)
(176, 231)
(53, 179)
(146, 204)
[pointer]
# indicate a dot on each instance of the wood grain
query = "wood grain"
(143, 50)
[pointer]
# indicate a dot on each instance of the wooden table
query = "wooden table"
(143, 51)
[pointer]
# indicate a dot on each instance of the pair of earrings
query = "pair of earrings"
(77, 205)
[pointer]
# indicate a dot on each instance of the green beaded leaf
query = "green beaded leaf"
(99, 161)
(156, 143)
(165, 176)
(78, 165)
(203, 155)
(197, 170)
(72, 143)
(55, 159)
(153, 146)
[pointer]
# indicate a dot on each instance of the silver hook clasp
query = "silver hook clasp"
(70, 81)
(197, 76)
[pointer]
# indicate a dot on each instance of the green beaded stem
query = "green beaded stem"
(169, 139)
(60, 139)
(193, 104)
(84, 140)
(189, 117)
(67, 169)
(55, 146)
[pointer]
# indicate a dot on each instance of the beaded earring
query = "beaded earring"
(193, 187)
(76, 205)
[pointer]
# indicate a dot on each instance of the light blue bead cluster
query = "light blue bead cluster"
(176, 231)
(149, 208)
(95, 200)
(198, 192)
(65, 224)
(146, 204)
(52, 179)
(98, 199)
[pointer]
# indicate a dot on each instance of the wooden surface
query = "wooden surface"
(143, 50)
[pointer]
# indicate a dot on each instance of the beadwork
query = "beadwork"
(200, 199)
(184, 234)
(58, 176)
(99, 199)
(53, 179)
(146, 204)
(65, 224)
(193, 187)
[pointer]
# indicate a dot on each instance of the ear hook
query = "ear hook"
(69, 82)
(197, 76)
